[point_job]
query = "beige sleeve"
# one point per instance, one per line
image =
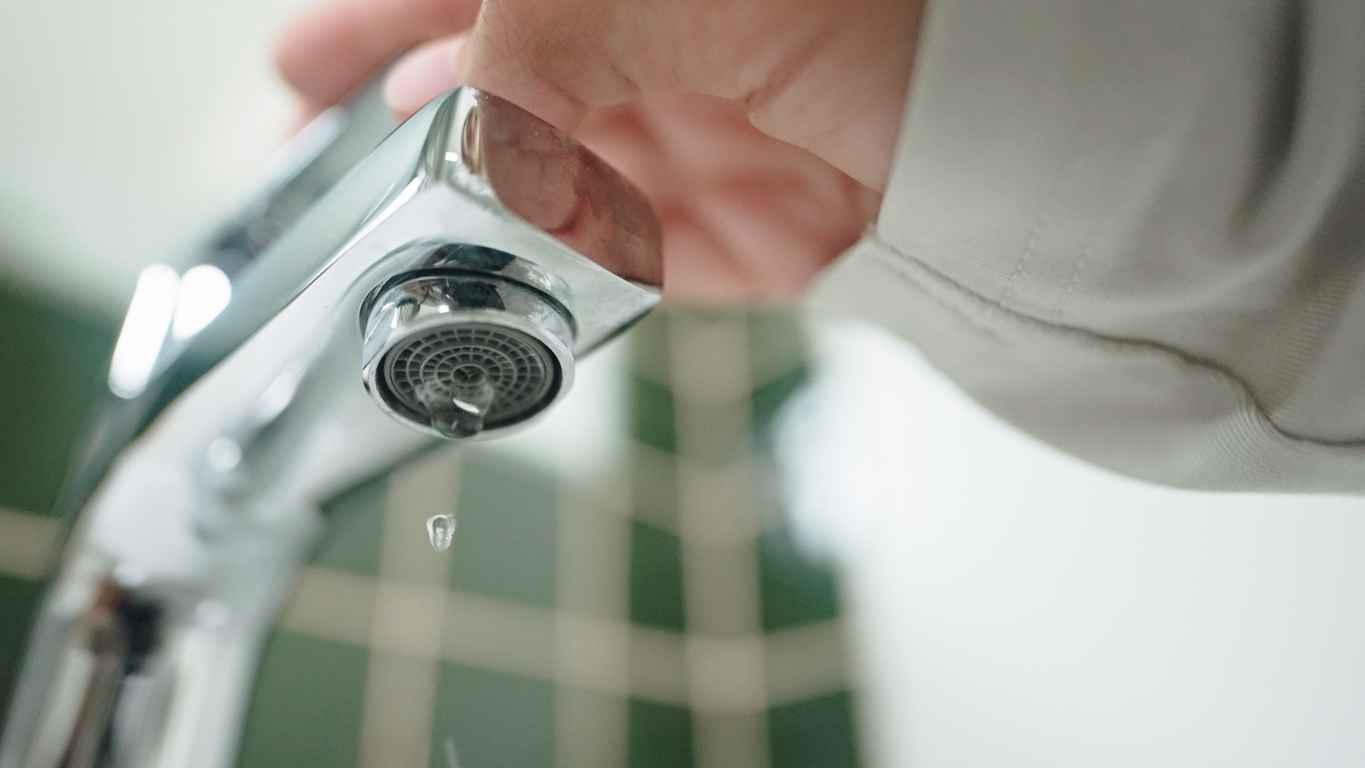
(1137, 231)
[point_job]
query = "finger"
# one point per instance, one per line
(827, 79)
(774, 232)
(559, 60)
(327, 52)
(697, 269)
(713, 141)
(622, 137)
(423, 74)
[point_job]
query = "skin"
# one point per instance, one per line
(761, 130)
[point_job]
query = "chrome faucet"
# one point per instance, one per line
(381, 294)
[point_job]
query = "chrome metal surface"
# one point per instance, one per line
(469, 347)
(464, 264)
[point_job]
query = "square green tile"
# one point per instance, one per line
(652, 414)
(658, 736)
(18, 602)
(795, 588)
(55, 363)
(493, 719)
(649, 348)
(357, 523)
(307, 706)
(656, 581)
(777, 343)
(813, 733)
(653, 487)
(507, 546)
(769, 399)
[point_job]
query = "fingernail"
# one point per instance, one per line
(423, 74)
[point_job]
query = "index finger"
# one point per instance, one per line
(330, 50)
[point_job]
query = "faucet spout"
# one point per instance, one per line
(429, 265)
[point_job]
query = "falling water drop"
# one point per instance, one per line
(441, 531)
(459, 406)
(452, 759)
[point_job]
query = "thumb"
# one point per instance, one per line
(828, 76)
(558, 60)
(546, 60)
(424, 73)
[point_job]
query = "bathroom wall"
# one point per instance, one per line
(1013, 606)
(649, 607)
(654, 612)
(127, 127)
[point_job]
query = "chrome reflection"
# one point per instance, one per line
(144, 331)
(205, 291)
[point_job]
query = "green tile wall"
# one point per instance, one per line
(658, 736)
(771, 396)
(53, 365)
(651, 414)
(656, 581)
(52, 369)
(508, 529)
(18, 600)
(306, 708)
(795, 589)
(494, 718)
(357, 517)
(813, 733)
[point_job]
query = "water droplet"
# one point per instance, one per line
(441, 531)
(458, 421)
(460, 413)
(452, 759)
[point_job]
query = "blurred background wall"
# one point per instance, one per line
(876, 573)
(127, 127)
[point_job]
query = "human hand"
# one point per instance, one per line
(761, 130)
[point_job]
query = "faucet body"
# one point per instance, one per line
(442, 287)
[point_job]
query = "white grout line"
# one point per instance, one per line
(807, 661)
(591, 729)
(725, 656)
(494, 634)
(659, 475)
(396, 726)
(709, 361)
(592, 588)
(593, 574)
(719, 505)
(731, 739)
(726, 675)
(27, 543)
(331, 604)
(592, 654)
(657, 665)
